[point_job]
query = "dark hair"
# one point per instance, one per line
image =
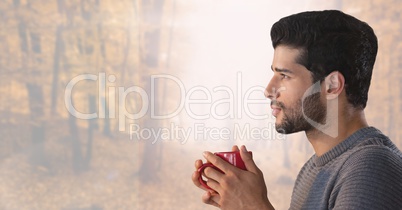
(332, 41)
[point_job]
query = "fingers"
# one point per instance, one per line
(211, 198)
(213, 175)
(218, 162)
(196, 175)
(248, 160)
(195, 178)
(198, 164)
(209, 172)
(235, 148)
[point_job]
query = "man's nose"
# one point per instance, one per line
(271, 91)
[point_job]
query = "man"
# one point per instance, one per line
(322, 66)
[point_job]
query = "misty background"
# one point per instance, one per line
(214, 54)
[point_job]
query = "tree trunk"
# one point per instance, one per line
(152, 155)
(36, 104)
(91, 127)
(77, 158)
(56, 65)
(151, 159)
(107, 131)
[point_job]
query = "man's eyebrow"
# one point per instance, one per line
(281, 70)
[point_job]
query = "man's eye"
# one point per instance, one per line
(284, 76)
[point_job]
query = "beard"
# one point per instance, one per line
(293, 118)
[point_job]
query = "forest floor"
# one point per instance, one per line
(112, 182)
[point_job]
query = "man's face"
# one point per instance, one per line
(289, 90)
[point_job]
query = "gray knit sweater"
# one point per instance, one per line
(363, 172)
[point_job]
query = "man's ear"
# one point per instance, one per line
(334, 84)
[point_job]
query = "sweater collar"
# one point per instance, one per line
(342, 147)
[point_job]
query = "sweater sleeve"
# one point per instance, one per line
(371, 178)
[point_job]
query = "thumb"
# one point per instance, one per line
(247, 158)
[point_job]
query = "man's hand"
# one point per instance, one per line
(236, 188)
(210, 196)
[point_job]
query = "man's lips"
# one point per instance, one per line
(275, 110)
(275, 106)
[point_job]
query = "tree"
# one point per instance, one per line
(30, 46)
(151, 14)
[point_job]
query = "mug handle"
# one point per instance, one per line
(201, 170)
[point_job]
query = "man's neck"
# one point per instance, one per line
(348, 123)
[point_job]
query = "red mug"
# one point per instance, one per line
(233, 158)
